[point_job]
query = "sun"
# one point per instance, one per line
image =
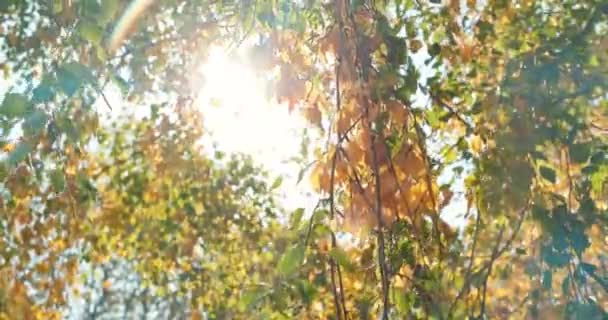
(241, 118)
(229, 82)
(238, 113)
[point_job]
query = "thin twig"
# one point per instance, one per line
(340, 282)
(487, 276)
(380, 234)
(467, 277)
(332, 267)
(429, 183)
(311, 224)
(103, 95)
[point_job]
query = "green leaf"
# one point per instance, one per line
(21, 151)
(8, 5)
(588, 268)
(295, 218)
(35, 122)
(579, 310)
(57, 180)
(555, 259)
(547, 279)
(580, 152)
(320, 215)
(276, 183)
(3, 171)
(342, 259)
(449, 154)
(401, 300)
(102, 55)
(598, 157)
(532, 268)
(44, 91)
(86, 188)
(251, 298)
(14, 105)
(300, 175)
(72, 76)
(432, 117)
(547, 173)
(79, 70)
(589, 170)
(579, 241)
(291, 260)
(121, 83)
(307, 291)
(321, 230)
(90, 32)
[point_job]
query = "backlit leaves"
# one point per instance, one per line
(20, 153)
(291, 260)
(14, 105)
(90, 32)
(72, 76)
(417, 107)
(57, 178)
(35, 122)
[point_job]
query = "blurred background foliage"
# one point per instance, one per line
(499, 106)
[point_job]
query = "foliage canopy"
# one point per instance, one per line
(420, 105)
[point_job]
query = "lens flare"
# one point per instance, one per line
(126, 23)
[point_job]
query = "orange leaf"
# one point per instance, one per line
(320, 177)
(313, 114)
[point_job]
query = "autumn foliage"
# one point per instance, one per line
(459, 160)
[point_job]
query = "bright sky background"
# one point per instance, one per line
(240, 118)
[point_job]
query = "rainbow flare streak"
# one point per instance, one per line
(126, 22)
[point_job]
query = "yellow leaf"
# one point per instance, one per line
(58, 245)
(8, 147)
(198, 208)
(70, 170)
(476, 144)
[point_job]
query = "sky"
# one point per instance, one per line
(240, 118)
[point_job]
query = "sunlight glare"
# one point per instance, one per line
(241, 118)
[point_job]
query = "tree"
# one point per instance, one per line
(421, 105)
(159, 210)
